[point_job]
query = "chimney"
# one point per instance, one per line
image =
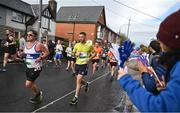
(53, 6)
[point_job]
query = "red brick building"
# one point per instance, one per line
(71, 21)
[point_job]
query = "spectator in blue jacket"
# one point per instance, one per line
(150, 81)
(168, 100)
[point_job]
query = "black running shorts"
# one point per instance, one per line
(81, 69)
(32, 74)
(95, 61)
(113, 64)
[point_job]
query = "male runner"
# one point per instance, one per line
(113, 64)
(33, 58)
(98, 51)
(82, 52)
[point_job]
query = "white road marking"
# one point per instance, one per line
(45, 106)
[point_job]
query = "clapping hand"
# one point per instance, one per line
(125, 51)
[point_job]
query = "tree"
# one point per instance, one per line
(123, 37)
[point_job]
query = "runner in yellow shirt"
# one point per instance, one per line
(82, 51)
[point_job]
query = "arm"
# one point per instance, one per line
(93, 53)
(12, 39)
(149, 83)
(44, 50)
(166, 100)
(75, 51)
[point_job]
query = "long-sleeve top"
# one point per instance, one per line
(167, 100)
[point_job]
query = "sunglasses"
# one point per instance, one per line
(30, 35)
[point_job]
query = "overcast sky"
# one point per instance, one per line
(142, 28)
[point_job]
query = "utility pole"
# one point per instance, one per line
(39, 20)
(73, 31)
(128, 28)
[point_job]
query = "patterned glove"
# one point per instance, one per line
(125, 51)
(144, 59)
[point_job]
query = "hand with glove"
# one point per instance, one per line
(125, 52)
(144, 59)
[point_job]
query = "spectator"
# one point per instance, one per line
(51, 48)
(168, 100)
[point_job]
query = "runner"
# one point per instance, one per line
(10, 49)
(98, 51)
(45, 43)
(33, 55)
(58, 55)
(113, 64)
(104, 55)
(82, 52)
(70, 58)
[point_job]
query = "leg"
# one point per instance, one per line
(78, 84)
(6, 55)
(31, 85)
(94, 68)
(73, 66)
(55, 60)
(69, 63)
(112, 70)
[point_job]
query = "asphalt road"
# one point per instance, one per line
(58, 86)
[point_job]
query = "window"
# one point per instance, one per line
(18, 17)
(45, 23)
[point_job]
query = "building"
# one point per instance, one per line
(71, 21)
(22, 16)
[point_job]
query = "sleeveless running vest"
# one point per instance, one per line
(31, 56)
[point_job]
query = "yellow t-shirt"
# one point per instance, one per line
(84, 50)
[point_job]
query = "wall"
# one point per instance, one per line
(2, 15)
(13, 24)
(65, 30)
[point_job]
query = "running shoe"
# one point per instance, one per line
(112, 78)
(86, 87)
(37, 98)
(3, 70)
(74, 101)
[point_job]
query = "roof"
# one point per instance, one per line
(79, 14)
(36, 8)
(18, 5)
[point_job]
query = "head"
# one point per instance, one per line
(59, 42)
(169, 32)
(154, 47)
(82, 37)
(97, 44)
(9, 32)
(22, 36)
(31, 35)
(44, 41)
(144, 49)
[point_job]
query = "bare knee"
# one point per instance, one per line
(29, 84)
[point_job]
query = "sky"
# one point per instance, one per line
(142, 28)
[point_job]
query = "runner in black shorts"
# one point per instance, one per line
(82, 51)
(113, 64)
(33, 58)
(104, 56)
(98, 53)
(70, 58)
(9, 48)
